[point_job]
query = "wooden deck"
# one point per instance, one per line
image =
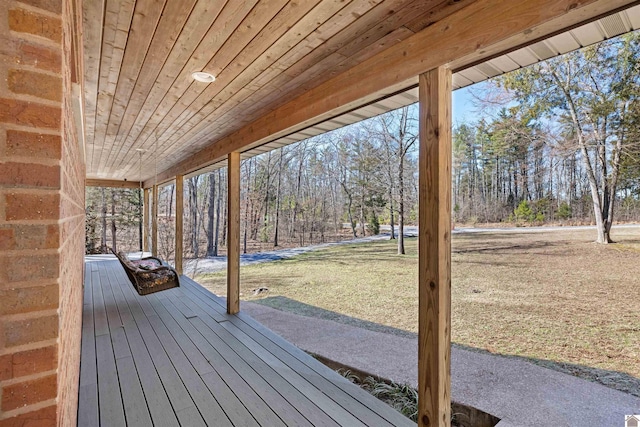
(175, 358)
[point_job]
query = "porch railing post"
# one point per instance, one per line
(145, 221)
(179, 221)
(154, 222)
(434, 249)
(233, 234)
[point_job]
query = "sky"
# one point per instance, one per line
(463, 109)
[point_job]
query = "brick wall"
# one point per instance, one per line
(72, 216)
(41, 216)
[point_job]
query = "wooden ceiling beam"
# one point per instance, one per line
(111, 183)
(480, 30)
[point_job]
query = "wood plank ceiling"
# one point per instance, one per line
(139, 93)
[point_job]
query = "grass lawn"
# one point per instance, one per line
(553, 297)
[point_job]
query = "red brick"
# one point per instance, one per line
(36, 145)
(29, 175)
(24, 206)
(25, 331)
(53, 237)
(37, 84)
(35, 361)
(38, 56)
(24, 21)
(45, 417)
(24, 237)
(23, 300)
(54, 6)
(29, 114)
(7, 239)
(28, 362)
(29, 268)
(6, 367)
(29, 392)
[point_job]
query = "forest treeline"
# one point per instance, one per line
(558, 142)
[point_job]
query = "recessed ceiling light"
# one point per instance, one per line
(203, 77)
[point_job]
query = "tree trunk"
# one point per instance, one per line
(391, 219)
(298, 185)
(170, 207)
(277, 224)
(193, 202)
(113, 221)
(218, 202)
(401, 250)
(363, 219)
(211, 214)
(246, 209)
(223, 240)
(103, 211)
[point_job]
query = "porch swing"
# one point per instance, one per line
(148, 274)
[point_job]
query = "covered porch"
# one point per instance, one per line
(103, 93)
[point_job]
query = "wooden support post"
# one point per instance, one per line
(154, 222)
(434, 250)
(179, 221)
(233, 233)
(145, 221)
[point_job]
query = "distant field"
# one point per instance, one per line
(554, 297)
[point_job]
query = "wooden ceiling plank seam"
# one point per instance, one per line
(123, 33)
(403, 14)
(92, 47)
(144, 24)
(179, 81)
(297, 86)
(247, 30)
(435, 14)
(292, 37)
(344, 14)
(379, 16)
(396, 36)
(190, 36)
(173, 17)
(242, 85)
(105, 96)
(110, 22)
(302, 45)
(111, 75)
(188, 90)
(309, 76)
(485, 26)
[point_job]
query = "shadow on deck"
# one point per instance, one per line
(176, 358)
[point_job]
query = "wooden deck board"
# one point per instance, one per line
(177, 358)
(156, 398)
(88, 395)
(359, 401)
(135, 407)
(225, 371)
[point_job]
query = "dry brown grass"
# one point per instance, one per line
(555, 297)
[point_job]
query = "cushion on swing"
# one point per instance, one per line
(147, 264)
